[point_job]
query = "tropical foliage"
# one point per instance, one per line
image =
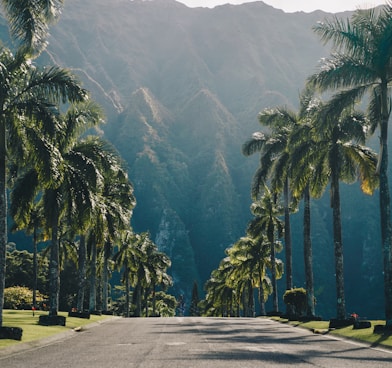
(68, 186)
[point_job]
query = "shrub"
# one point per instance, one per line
(20, 297)
(297, 299)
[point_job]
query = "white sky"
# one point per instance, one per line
(331, 6)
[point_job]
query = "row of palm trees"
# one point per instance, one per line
(324, 143)
(66, 183)
(230, 289)
(144, 268)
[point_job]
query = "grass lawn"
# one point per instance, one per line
(33, 331)
(365, 335)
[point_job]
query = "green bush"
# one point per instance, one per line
(20, 297)
(297, 299)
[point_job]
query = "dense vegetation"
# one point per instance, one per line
(190, 180)
(68, 186)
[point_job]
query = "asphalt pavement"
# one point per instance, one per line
(194, 342)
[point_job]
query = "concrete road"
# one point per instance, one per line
(187, 342)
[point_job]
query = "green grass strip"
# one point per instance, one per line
(364, 335)
(33, 331)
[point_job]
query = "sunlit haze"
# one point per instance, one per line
(331, 6)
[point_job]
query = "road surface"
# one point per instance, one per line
(187, 342)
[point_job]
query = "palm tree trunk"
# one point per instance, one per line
(82, 258)
(288, 243)
(3, 216)
(287, 237)
(308, 256)
(154, 301)
(127, 287)
(99, 293)
(138, 299)
(261, 292)
(251, 300)
(338, 246)
(105, 276)
(93, 275)
(146, 292)
(54, 269)
(35, 267)
(261, 300)
(273, 275)
(385, 205)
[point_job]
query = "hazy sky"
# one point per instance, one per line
(332, 6)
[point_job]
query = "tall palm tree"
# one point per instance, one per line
(336, 152)
(26, 95)
(275, 165)
(158, 263)
(72, 194)
(117, 203)
(361, 65)
(301, 143)
(267, 221)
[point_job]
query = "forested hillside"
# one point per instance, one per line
(182, 88)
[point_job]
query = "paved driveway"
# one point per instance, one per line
(187, 342)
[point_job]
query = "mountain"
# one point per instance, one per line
(182, 88)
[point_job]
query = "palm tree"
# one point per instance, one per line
(335, 150)
(31, 93)
(158, 263)
(251, 258)
(72, 194)
(29, 21)
(124, 260)
(360, 65)
(301, 143)
(28, 216)
(116, 204)
(27, 94)
(267, 222)
(220, 297)
(275, 164)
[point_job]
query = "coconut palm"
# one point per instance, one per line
(359, 66)
(267, 221)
